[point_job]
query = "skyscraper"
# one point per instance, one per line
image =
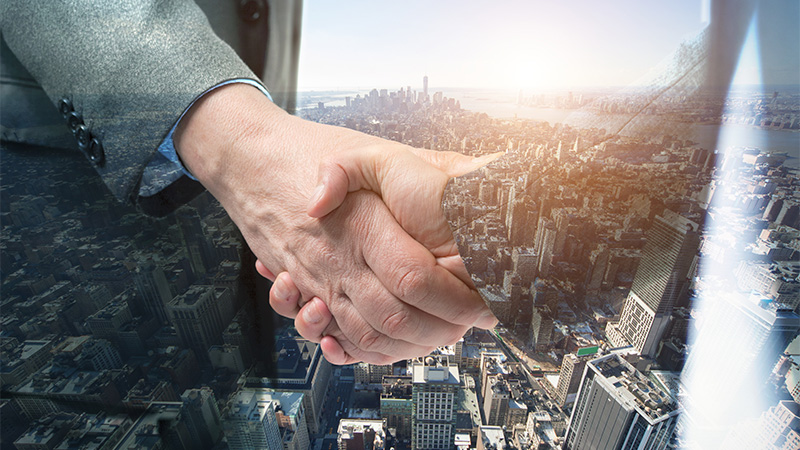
(153, 288)
(195, 241)
(618, 407)
(495, 402)
(732, 354)
(569, 377)
(524, 259)
(396, 405)
(546, 238)
(425, 86)
(780, 426)
(599, 263)
(434, 390)
(196, 317)
(250, 422)
(201, 413)
(541, 327)
(672, 244)
(300, 368)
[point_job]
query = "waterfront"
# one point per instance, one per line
(501, 104)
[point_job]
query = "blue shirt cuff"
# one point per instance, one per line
(166, 167)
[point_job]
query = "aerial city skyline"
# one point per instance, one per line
(639, 242)
(601, 254)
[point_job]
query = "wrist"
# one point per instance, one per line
(220, 124)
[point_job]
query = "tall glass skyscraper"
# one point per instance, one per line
(671, 247)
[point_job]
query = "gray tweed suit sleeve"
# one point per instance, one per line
(129, 68)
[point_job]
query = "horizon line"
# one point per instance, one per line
(531, 89)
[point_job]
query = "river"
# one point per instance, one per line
(500, 104)
(706, 135)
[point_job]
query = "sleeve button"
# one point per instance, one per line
(83, 135)
(74, 120)
(65, 106)
(251, 10)
(96, 153)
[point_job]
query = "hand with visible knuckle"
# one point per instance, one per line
(389, 234)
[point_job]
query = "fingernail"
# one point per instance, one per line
(281, 293)
(311, 313)
(487, 321)
(317, 194)
(485, 159)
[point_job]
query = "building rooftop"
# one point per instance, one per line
(94, 432)
(290, 402)
(57, 380)
(146, 432)
(468, 401)
(471, 351)
(349, 427)
(249, 405)
(43, 434)
(73, 344)
(296, 359)
(194, 294)
(493, 294)
(493, 437)
(495, 363)
(396, 387)
(547, 434)
(423, 373)
(109, 311)
(15, 354)
(769, 313)
(632, 388)
(513, 404)
(252, 404)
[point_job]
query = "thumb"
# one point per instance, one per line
(339, 175)
(455, 164)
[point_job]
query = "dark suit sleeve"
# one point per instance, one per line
(121, 72)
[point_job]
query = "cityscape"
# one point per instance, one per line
(647, 286)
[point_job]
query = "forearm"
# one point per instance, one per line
(129, 69)
(236, 126)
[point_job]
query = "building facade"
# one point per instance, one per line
(617, 407)
(250, 422)
(434, 392)
(661, 278)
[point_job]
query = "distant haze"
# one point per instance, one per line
(505, 45)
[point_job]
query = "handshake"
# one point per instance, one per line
(351, 224)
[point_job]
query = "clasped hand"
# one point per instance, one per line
(380, 294)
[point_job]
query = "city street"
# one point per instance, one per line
(337, 402)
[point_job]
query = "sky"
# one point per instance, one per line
(507, 45)
(515, 44)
